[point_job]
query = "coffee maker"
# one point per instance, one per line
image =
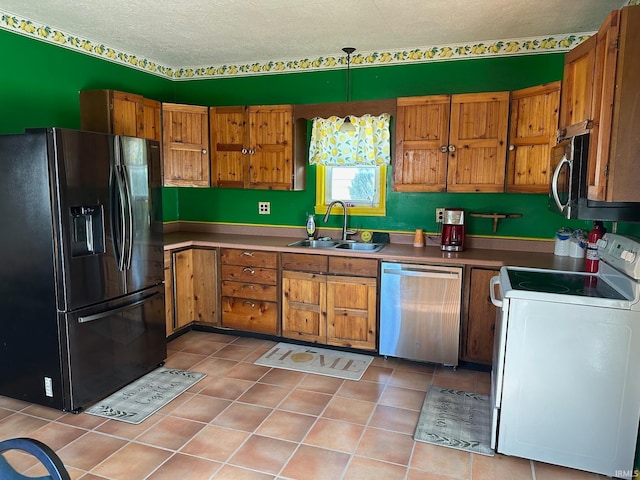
(452, 238)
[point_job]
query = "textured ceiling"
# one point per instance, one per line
(215, 32)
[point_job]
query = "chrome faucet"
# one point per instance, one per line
(344, 208)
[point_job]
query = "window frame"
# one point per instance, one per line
(361, 210)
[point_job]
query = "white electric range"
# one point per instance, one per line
(566, 362)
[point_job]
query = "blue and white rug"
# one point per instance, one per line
(139, 400)
(456, 419)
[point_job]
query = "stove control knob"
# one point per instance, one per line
(628, 256)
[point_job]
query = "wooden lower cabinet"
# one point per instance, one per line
(190, 283)
(351, 312)
(250, 290)
(304, 306)
(479, 317)
(327, 302)
(168, 291)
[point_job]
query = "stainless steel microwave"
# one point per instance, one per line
(568, 188)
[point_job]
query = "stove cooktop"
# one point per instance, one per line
(563, 283)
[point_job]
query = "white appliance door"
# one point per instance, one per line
(497, 368)
(570, 393)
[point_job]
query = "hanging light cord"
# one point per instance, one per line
(348, 51)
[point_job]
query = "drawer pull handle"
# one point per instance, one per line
(248, 254)
(249, 269)
(249, 302)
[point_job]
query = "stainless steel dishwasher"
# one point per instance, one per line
(420, 312)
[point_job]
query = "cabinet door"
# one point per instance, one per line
(577, 84)
(478, 142)
(304, 314)
(532, 133)
(351, 312)
(229, 133)
(480, 319)
(185, 144)
(150, 120)
(195, 283)
(271, 147)
(125, 113)
(168, 291)
(422, 138)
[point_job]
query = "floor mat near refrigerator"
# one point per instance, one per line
(142, 398)
(455, 419)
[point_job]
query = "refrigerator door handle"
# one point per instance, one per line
(128, 220)
(108, 313)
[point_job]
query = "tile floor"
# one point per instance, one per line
(250, 422)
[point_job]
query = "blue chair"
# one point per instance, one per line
(47, 457)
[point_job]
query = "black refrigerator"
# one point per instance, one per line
(81, 265)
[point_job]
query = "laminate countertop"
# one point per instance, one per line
(393, 252)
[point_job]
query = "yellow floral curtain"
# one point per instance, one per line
(367, 144)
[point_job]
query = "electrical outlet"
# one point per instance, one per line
(439, 215)
(264, 208)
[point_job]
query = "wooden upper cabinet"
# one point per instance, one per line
(532, 133)
(253, 147)
(478, 142)
(186, 145)
(120, 113)
(422, 139)
(577, 84)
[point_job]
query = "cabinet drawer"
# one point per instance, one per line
(302, 262)
(261, 317)
(362, 267)
(233, 256)
(248, 274)
(253, 291)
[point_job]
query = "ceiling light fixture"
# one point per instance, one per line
(347, 126)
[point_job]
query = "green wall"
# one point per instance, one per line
(40, 82)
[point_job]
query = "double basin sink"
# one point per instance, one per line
(339, 245)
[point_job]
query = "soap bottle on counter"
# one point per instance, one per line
(311, 227)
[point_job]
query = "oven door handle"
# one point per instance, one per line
(495, 281)
(554, 182)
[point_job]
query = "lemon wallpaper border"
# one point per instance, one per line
(493, 48)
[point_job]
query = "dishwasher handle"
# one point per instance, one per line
(415, 272)
(492, 286)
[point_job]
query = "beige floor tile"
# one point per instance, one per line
(403, 397)
(133, 462)
(369, 469)
(215, 443)
(500, 467)
(185, 467)
(229, 472)
(367, 391)
(242, 417)
(378, 374)
(441, 460)
(19, 425)
(247, 371)
(282, 378)
(334, 435)
(414, 474)
(56, 435)
(286, 425)
(386, 446)
(89, 450)
(171, 433)
(202, 408)
(302, 401)
(183, 361)
(349, 410)
(214, 366)
(265, 395)
(313, 463)
(264, 454)
(128, 430)
(233, 352)
(396, 419)
(411, 379)
(42, 412)
(201, 346)
(226, 388)
(320, 384)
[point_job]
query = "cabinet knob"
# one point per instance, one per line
(512, 148)
(244, 151)
(249, 269)
(444, 149)
(248, 254)
(452, 148)
(252, 151)
(204, 151)
(249, 302)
